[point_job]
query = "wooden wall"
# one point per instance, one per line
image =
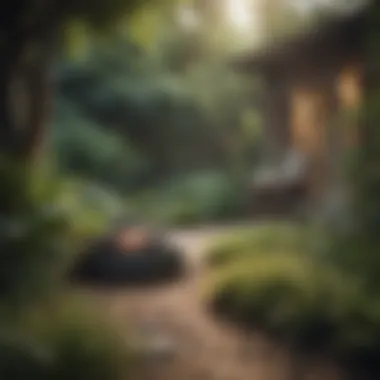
(276, 117)
(350, 95)
(317, 130)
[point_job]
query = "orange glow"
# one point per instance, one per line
(349, 87)
(132, 239)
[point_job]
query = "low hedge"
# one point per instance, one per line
(258, 240)
(302, 303)
(202, 197)
(63, 343)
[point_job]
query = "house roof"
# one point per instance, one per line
(344, 32)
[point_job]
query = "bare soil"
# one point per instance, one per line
(199, 347)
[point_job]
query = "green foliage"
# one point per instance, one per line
(136, 123)
(66, 340)
(41, 229)
(151, 21)
(202, 197)
(157, 124)
(23, 358)
(270, 279)
(89, 209)
(33, 235)
(45, 222)
(357, 254)
(229, 107)
(170, 114)
(98, 13)
(259, 241)
(85, 149)
(306, 304)
(357, 250)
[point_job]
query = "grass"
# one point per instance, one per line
(267, 279)
(64, 341)
(261, 240)
(300, 301)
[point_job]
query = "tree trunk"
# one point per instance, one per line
(25, 89)
(9, 62)
(39, 93)
(367, 174)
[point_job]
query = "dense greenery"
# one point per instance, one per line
(128, 121)
(125, 120)
(295, 296)
(193, 198)
(135, 125)
(264, 240)
(66, 339)
(33, 235)
(357, 249)
(43, 335)
(332, 291)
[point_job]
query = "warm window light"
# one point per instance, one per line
(349, 86)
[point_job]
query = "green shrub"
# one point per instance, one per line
(63, 342)
(33, 235)
(85, 149)
(176, 212)
(89, 209)
(212, 195)
(195, 198)
(23, 358)
(40, 233)
(357, 254)
(304, 303)
(270, 238)
(36, 244)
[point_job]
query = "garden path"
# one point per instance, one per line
(184, 342)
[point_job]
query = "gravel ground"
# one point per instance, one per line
(183, 342)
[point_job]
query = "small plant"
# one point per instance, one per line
(303, 303)
(194, 198)
(261, 240)
(39, 233)
(34, 231)
(62, 341)
(43, 337)
(23, 358)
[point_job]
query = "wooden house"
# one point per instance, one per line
(310, 81)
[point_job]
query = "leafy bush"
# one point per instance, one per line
(90, 208)
(259, 240)
(307, 305)
(43, 224)
(202, 197)
(86, 149)
(22, 358)
(36, 245)
(34, 231)
(62, 342)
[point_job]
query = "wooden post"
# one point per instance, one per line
(276, 116)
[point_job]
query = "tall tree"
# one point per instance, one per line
(30, 36)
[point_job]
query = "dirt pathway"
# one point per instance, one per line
(189, 343)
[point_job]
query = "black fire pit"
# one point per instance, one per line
(132, 255)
